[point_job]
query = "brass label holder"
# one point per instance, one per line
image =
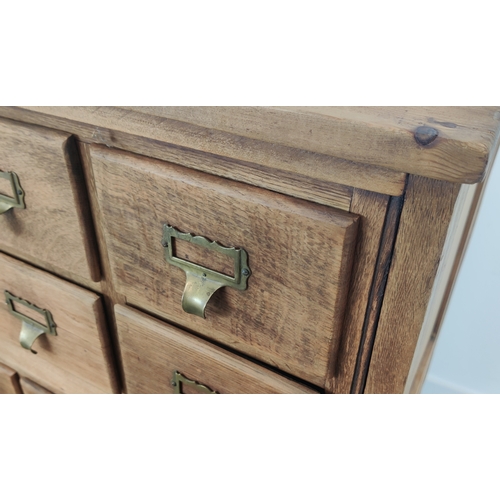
(180, 379)
(30, 329)
(202, 282)
(17, 201)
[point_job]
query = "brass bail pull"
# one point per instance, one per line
(30, 329)
(17, 201)
(202, 282)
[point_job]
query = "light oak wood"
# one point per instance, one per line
(53, 230)
(9, 381)
(425, 218)
(381, 136)
(300, 255)
(286, 161)
(153, 350)
(30, 387)
(77, 360)
(372, 208)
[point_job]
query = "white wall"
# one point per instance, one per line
(467, 354)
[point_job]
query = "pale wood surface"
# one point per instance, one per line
(53, 228)
(9, 381)
(258, 162)
(422, 231)
(30, 387)
(77, 360)
(372, 208)
(382, 136)
(153, 350)
(300, 254)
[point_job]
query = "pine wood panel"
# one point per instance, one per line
(422, 231)
(153, 350)
(77, 360)
(300, 255)
(30, 387)
(54, 228)
(9, 381)
(370, 135)
(372, 208)
(280, 159)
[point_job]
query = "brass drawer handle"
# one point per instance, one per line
(201, 282)
(30, 329)
(6, 202)
(181, 379)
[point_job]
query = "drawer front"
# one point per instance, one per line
(299, 258)
(156, 356)
(75, 360)
(9, 381)
(52, 230)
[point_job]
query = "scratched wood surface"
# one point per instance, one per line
(423, 226)
(300, 255)
(252, 160)
(54, 229)
(153, 350)
(77, 360)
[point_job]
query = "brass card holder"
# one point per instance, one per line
(17, 201)
(180, 379)
(30, 329)
(201, 282)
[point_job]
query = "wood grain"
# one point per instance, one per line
(372, 208)
(300, 255)
(376, 295)
(276, 160)
(422, 231)
(52, 229)
(9, 381)
(30, 387)
(77, 360)
(381, 136)
(153, 350)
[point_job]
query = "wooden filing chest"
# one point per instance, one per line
(232, 250)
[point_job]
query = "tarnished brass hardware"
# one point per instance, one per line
(30, 329)
(17, 201)
(201, 282)
(181, 379)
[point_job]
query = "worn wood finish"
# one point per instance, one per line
(77, 360)
(153, 350)
(30, 387)
(461, 224)
(381, 136)
(255, 159)
(300, 255)
(372, 208)
(376, 295)
(53, 229)
(425, 218)
(9, 381)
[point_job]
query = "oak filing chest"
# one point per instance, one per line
(232, 250)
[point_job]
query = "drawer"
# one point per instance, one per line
(299, 257)
(77, 359)
(156, 356)
(30, 387)
(9, 381)
(40, 169)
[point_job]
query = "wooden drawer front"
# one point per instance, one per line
(9, 381)
(52, 230)
(77, 359)
(290, 316)
(152, 351)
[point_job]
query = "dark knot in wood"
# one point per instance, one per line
(425, 135)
